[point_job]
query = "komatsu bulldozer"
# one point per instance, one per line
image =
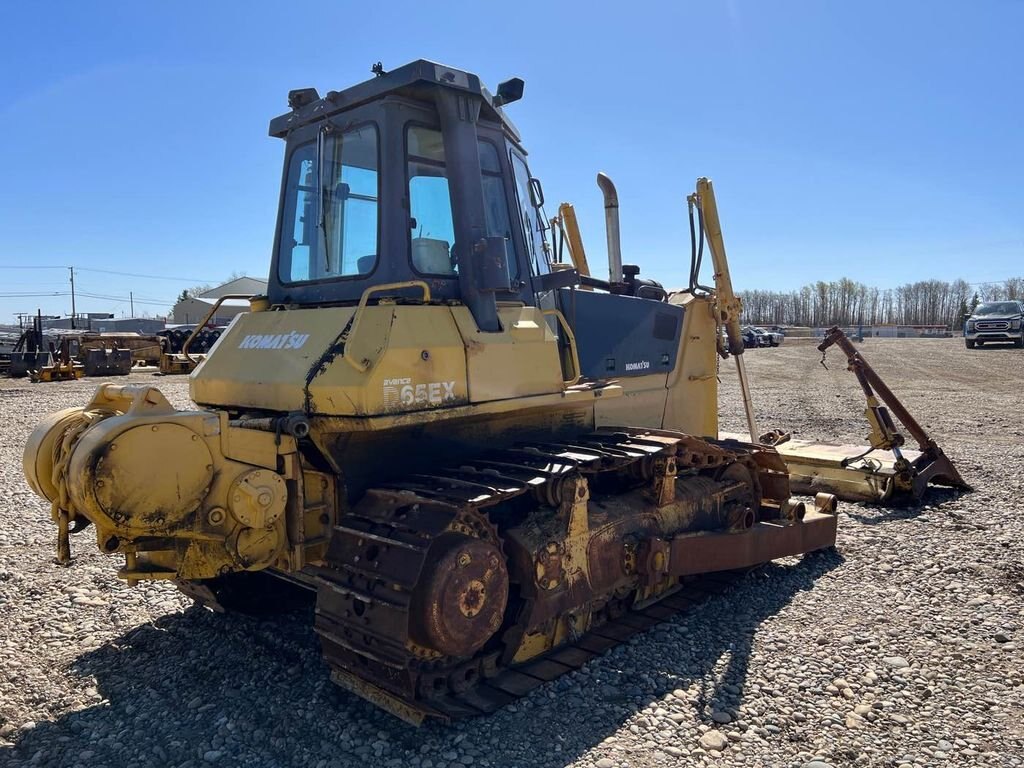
(487, 463)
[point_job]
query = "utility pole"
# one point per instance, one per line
(131, 302)
(72, 269)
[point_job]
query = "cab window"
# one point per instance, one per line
(495, 203)
(330, 225)
(432, 231)
(532, 218)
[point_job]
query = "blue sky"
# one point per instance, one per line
(878, 140)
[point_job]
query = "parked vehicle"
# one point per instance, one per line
(774, 337)
(995, 321)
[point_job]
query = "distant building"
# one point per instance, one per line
(144, 325)
(249, 286)
(195, 308)
(104, 322)
(893, 331)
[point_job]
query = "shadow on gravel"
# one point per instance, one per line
(870, 515)
(197, 687)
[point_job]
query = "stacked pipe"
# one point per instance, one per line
(176, 338)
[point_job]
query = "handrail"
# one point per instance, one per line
(198, 328)
(363, 365)
(571, 339)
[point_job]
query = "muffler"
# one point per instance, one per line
(611, 223)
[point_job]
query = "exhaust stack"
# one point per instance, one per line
(611, 222)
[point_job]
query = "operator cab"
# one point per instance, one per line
(418, 175)
(413, 175)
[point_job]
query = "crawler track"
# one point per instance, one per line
(491, 693)
(367, 593)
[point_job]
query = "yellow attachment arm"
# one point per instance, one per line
(571, 228)
(729, 305)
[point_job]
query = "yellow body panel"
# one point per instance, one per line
(642, 403)
(692, 404)
(264, 358)
(411, 359)
(417, 363)
(685, 399)
(519, 361)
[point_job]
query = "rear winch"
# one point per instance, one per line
(181, 493)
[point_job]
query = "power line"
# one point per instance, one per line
(125, 299)
(111, 272)
(148, 277)
(29, 294)
(100, 291)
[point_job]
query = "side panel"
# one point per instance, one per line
(518, 361)
(409, 359)
(685, 399)
(692, 404)
(642, 403)
(416, 363)
(620, 336)
(263, 359)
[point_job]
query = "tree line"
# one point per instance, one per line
(848, 302)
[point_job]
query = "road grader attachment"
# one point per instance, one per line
(885, 471)
(486, 463)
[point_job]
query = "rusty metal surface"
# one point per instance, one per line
(710, 552)
(460, 602)
(411, 607)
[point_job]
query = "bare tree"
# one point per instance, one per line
(847, 302)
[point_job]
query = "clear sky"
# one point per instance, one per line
(883, 141)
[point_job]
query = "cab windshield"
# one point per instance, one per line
(330, 214)
(998, 308)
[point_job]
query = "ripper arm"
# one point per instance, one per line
(932, 464)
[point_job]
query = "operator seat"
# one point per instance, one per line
(431, 257)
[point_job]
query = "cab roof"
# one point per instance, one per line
(415, 80)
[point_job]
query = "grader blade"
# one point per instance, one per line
(842, 470)
(825, 467)
(104, 361)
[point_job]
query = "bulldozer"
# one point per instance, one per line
(486, 463)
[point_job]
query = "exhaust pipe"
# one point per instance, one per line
(611, 222)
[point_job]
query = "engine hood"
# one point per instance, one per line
(987, 318)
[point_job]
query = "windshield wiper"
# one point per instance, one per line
(324, 192)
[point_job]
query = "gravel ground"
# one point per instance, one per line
(904, 647)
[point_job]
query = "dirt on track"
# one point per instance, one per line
(904, 647)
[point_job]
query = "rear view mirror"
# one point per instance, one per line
(509, 91)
